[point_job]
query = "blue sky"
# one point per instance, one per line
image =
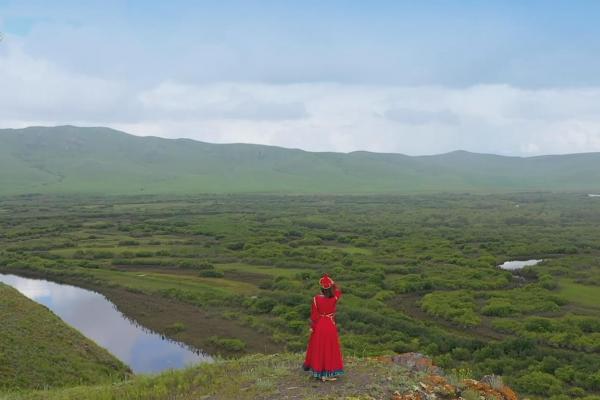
(418, 77)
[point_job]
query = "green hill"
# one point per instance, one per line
(38, 350)
(278, 376)
(69, 159)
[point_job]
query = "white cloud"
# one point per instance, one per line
(421, 117)
(219, 101)
(314, 116)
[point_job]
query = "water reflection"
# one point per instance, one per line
(98, 319)
(513, 265)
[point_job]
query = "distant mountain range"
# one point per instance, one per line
(68, 159)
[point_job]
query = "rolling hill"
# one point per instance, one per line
(68, 159)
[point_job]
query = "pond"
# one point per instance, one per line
(514, 265)
(97, 318)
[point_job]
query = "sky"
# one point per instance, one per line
(414, 77)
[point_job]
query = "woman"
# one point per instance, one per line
(323, 356)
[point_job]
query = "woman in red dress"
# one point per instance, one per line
(324, 356)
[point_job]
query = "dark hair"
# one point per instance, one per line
(328, 292)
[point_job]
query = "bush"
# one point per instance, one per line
(457, 306)
(540, 383)
(227, 344)
(211, 274)
(263, 305)
(197, 265)
(498, 308)
(237, 246)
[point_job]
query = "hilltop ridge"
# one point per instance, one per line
(69, 159)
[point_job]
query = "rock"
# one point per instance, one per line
(503, 392)
(494, 381)
(416, 362)
(435, 386)
(441, 387)
(508, 393)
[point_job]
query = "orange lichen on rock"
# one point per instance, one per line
(383, 359)
(508, 393)
(504, 392)
(416, 362)
(436, 386)
(411, 396)
(441, 386)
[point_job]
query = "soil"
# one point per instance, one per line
(159, 313)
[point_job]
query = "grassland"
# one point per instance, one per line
(419, 273)
(585, 295)
(38, 350)
(252, 377)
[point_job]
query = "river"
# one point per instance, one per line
(97, 318)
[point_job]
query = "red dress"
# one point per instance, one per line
(324, 356)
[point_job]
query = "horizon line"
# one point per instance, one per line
(295, 148)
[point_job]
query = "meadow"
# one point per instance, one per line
(234, 274)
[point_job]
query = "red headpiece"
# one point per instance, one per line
(326, 282)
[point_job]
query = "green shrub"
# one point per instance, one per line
(227, 344)
(456, 306)
(211, 274)
(498, 308)
(540, 383)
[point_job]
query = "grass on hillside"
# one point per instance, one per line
(68, 159)
(253, 377)
(38, 350)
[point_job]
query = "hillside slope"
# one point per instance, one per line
(278, 376)
(69, 159)
(39, 350)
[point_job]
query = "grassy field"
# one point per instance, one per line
(419, 273)
(153, 281)
(38, 350)
(586, 295)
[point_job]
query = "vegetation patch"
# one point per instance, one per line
(586, 295)
(457, 306)
(253, 377)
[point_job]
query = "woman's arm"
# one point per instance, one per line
(337, 291)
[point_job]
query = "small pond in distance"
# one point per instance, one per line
(97, 318)
(514, 265)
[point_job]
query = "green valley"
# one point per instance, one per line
(234, 274)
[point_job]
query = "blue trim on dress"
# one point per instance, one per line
(323, 374)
